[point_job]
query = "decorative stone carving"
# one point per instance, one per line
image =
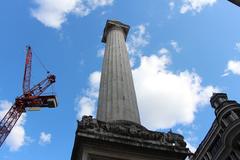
(130, 129)
(175, 139)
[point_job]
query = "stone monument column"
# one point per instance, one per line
(117, 98)
(116, 133)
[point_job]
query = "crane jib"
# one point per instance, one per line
(27, 71)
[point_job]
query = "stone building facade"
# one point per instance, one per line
(222, 141)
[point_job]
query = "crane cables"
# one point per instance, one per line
(45, 68)
(41, 63)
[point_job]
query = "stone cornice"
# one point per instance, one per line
(126, 132)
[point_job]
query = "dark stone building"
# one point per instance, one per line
(222, 141)
(237, 2)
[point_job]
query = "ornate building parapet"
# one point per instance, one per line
(222, 141)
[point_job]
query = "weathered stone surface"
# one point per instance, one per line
(128, 130)
(117, 98)
(126, 134)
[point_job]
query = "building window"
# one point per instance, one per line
(234, 115)
(228, 118)
(215, 147)
(209, 155)
(233, 156)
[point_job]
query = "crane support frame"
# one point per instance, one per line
(30, 99)
(9, 120)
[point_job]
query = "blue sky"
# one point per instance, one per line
(180, 50)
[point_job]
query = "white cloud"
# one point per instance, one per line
(171, 5)
(94, 79)
(195, 5)
(53, 13)
(86, 104)
(233, 67)
(190, 137)
(16, 139)
(226, 73)
(191, 147)
(96, 3)
(100, 52)
(180, 131)
(163, 51)
(138, 39)
(45, 138)
(166, 98)
(175, 46)
(238, 46)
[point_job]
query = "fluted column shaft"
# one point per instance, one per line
(117, 98)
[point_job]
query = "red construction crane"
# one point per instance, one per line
(31, 98)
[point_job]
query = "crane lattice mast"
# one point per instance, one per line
(31, 99)
(27, 71)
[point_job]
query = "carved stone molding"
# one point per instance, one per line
(130, 129)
